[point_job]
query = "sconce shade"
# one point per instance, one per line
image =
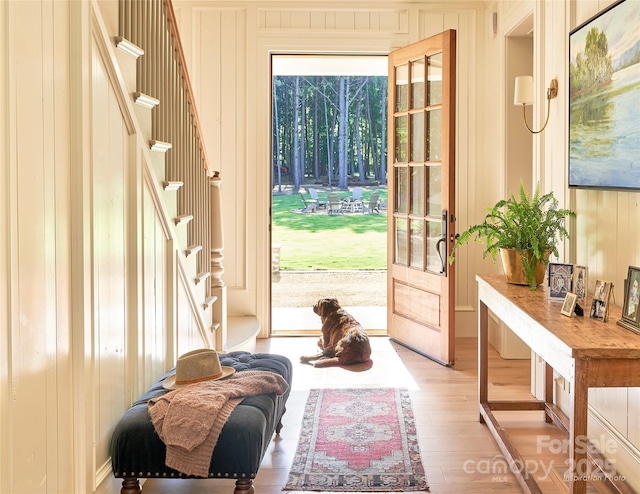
(523, 93)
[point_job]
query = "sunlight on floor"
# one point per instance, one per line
(303, 318)
(388, 370)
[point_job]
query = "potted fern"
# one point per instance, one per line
(525, 232)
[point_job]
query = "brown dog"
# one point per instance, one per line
(343, 340)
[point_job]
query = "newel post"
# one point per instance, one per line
(218, 288)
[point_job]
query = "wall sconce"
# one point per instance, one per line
(523, 95)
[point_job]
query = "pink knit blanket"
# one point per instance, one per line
(189, 420)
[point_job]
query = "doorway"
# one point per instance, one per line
(329, 195)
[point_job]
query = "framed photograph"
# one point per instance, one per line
(560, 276)
(580, 283)
(569, 304)
(600, 304)
(604, 83)
(630, 313)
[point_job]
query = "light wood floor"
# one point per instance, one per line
(458, 453)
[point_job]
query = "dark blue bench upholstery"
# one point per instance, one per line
(137, 451)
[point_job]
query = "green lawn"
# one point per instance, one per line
(329, 242)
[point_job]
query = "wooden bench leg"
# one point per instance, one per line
(279, 426)
(244, 486)
(131, 485)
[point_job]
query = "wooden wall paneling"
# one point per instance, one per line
(613, 404)
(633, 418)
(619, 452)
(466, 155)
(189, 336)
(239, 81)
(28, 345)
(222, 85)
(56, 160)
(110, 155)
(7, 248)
(155, 329)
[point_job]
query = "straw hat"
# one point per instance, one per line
(197, 366)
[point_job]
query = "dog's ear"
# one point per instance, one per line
(329, 306)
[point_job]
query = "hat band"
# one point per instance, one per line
(199, 379)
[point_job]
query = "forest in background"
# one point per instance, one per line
(329, 130)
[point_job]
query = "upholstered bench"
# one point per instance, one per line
(137, 451)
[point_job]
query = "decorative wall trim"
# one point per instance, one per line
(329, 21)
(99, 34)
(617, 449)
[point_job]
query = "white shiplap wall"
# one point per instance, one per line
(602, 236)
(607, 241)
(92, 310)
(228, 47)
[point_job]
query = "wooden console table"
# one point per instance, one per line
(585, 351)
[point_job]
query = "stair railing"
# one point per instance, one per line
(162, 74)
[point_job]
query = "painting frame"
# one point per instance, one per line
(601, 302)
(559, 277)
(569, 304)
(580, 282)
(602, 152)
(630, 318)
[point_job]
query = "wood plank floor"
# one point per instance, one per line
(458, 452)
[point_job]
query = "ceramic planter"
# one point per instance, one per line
(514, 270)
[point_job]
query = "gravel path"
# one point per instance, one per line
(351, 288)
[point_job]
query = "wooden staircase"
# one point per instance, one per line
(187, 191)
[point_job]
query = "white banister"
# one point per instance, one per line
(217, 236)
(218, 287)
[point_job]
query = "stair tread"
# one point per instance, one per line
(241, 330)
(192, 249)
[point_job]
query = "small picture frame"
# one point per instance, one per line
(580, 283)
(630, 312)
(569, 304)
(560, 275)
(600, 304)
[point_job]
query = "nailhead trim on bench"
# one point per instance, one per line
(158, 474)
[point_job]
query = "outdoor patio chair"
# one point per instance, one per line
(356, 194)
(355, 206)
(334, 205)
(373, 204)
(314, 195)
(310, 206)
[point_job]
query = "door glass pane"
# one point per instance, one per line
(434, 135)
(402, 189)
(417, 190)
(434, 232)
(401, 139)
(417, 137)
(434, 82)
(401, 241)
(417, 84)
(434, 187)
(402, 86)
(417, 244)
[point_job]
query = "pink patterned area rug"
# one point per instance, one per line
(358, 440)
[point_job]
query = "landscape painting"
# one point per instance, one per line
(604, 98)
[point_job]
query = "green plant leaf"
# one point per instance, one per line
(532, 225)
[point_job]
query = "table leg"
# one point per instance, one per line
(548, 389)
(578, 461)
(483, 355)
